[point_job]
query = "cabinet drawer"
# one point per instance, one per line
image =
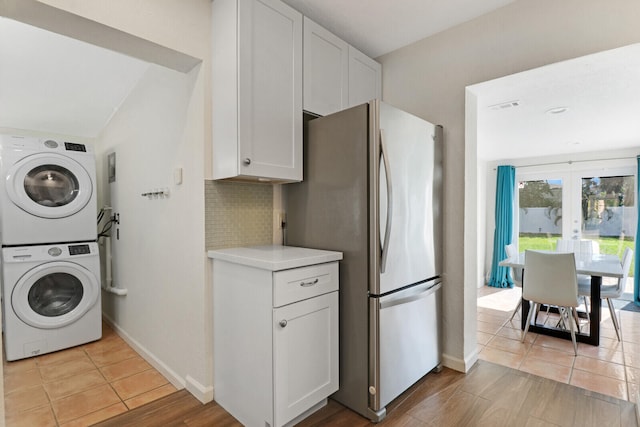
(301, 283)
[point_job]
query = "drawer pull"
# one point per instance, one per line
(283, 323)
(310, 283)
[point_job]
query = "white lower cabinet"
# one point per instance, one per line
(305, 363)
(275, 334)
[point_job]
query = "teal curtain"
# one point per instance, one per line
(505, 187)
(636, 276)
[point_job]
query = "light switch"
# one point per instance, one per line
(177, 176)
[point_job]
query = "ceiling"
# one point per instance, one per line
(376, 27)
(600, 96)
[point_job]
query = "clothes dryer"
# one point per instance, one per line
(51, 298)
(49, 192)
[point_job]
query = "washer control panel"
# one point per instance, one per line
(71, 146)
(79, 249)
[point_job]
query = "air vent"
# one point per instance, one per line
(504, 105)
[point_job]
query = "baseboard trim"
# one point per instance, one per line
(202, 393)
(458, 364)
(167, 372)
(637, 396)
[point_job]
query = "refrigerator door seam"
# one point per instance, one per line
(373, 148)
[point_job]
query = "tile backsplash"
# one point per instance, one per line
(238, 214)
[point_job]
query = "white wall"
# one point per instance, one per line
(159, 255)
(165, 123)
(523, 35)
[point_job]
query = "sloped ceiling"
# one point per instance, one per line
(53, 83)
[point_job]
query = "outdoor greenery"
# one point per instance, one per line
(608, 245)
(541, 194)
(601, 196)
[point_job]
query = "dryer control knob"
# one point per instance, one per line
(50, 143)
(55, 251)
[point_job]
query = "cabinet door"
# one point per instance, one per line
(365, 78)
(305, 355)
(326, 70)
(270, 90)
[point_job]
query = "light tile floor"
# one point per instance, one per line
(80, 386)
(613, 368)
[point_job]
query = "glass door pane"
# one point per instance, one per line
(539, 213)
(608, 214)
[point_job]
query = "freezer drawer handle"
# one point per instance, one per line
(283, 323)
(309, 283)
(387, 231)
(427, 292)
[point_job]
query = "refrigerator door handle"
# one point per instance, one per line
(387, 231)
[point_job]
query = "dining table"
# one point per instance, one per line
(595, 265)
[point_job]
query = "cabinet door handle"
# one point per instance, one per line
(246, 161)
(283, 323)
(309, 283)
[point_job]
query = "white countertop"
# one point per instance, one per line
(275, 257)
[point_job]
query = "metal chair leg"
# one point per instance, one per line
(576, 318)
(516, 310)
(532, 308)
(573, 333)
(616, 325)
(587, 305)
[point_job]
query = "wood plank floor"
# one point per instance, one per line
(489, 395)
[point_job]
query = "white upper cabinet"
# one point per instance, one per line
(257, 90)
(326, 70)
(365, 78)
(336, 75)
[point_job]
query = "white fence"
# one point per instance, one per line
(613, 222)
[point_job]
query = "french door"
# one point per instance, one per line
(596, 203)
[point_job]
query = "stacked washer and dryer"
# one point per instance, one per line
(50, 261)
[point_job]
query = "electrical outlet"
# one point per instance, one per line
(282, 219)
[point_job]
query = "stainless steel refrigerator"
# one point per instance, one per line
(372, 189)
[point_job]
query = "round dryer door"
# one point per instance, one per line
(54, 294)
(49, 185)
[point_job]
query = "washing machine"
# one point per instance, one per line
(49, 192)
(50, 298)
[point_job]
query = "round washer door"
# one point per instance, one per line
(54, 294)
(49, 185)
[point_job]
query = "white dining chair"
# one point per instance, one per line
(551, 279)
(580, 248)
(610, 292)
(564, 245)
(516, 274)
